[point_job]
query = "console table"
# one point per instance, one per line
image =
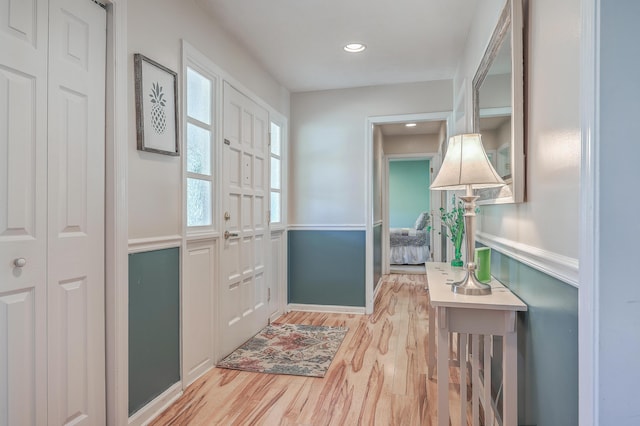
(474, 317)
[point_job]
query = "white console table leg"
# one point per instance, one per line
(488, 405)
(462, 356)
(431, 361)
(443, 368)
(475, 389)
(510, 373)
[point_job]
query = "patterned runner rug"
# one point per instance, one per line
(299, 350)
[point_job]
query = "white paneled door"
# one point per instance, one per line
(75, 278)
(23, 212)
(245, 156)
(52, 75)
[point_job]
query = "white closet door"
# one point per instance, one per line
(76, 382)
(51, 212)
(23, 211)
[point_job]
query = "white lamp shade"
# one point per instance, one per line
(466, 163)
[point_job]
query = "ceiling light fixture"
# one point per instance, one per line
(411, 125)
(354, 47)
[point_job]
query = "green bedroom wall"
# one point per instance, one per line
(408, 191)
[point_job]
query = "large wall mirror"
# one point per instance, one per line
(498, 105)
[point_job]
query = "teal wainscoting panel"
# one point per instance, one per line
(377, 254)
(154, 324)
(547, 344)
(327, 267)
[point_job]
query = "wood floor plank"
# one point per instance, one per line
(378, 377)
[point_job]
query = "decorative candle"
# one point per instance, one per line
(483, 262)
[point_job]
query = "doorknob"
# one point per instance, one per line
(20, 262)
(228, 234)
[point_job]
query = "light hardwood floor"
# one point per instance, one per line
(378, 377)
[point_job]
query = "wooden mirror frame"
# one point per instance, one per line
(510, 24)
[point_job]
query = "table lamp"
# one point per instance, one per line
(466, 166)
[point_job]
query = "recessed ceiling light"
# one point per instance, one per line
(411, 124)
(354, 47)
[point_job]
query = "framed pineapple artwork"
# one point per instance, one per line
(156, 111)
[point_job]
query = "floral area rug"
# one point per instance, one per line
(299, 350)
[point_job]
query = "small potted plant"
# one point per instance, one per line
(454, 222)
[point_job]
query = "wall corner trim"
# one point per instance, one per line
(561, 267)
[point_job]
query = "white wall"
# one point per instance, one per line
(617, 296)
(155, 29)
(548, 220)
(411, 144)
(495, 138)
(496, 91)
(487, 13)
(327, 155)
(378, 172)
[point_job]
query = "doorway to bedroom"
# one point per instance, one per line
(410, 216)
(410, 161)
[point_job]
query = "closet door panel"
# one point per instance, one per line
(77, 35)
(23, 212)
(20, 19)
(17, 359)
(18, 147)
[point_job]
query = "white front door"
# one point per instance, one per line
(245, 156)
(52, 62)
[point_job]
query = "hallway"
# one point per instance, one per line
(379, 375)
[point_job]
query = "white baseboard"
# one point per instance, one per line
(332, 309)
(561, 267)
(153, 409)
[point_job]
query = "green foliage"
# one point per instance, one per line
(454, 222)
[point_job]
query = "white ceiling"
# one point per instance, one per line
(300, 41)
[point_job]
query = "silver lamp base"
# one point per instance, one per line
(470, 285)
